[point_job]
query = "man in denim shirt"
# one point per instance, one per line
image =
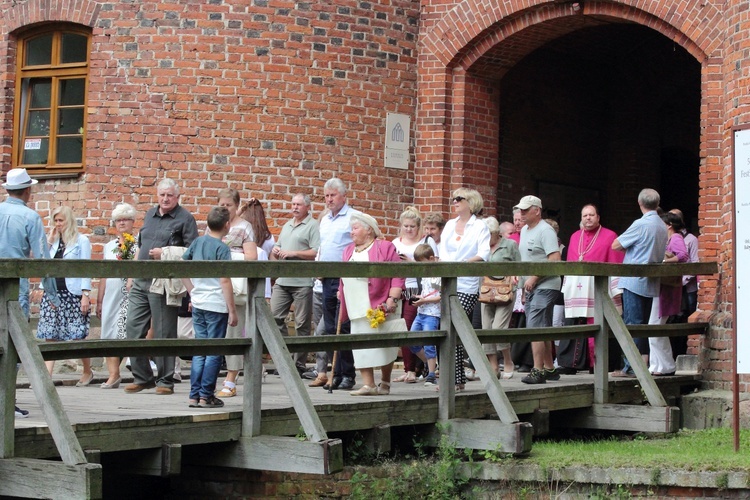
(22, 234)
(167, 224)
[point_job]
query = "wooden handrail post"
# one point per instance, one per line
(8, 361)
(447, 385)
(601, 347)
(52, 408)
(251, 402)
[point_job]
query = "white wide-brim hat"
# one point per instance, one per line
(18, 178)
(368, 221)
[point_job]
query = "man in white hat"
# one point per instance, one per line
(539, 244)
(22, 234)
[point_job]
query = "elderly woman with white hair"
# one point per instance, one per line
(497, 316)
(361, 297)
(112, 299)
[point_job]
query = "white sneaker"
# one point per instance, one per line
(21, 413)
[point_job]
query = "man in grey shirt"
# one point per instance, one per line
(539, 244)
(299, 240)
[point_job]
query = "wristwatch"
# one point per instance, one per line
(86, 293)
(395, 299)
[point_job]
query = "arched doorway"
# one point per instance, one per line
(595, 115)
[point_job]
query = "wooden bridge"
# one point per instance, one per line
(157, 439)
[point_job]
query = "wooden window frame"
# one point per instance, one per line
(56, 71)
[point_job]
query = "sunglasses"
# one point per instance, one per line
(458, 198)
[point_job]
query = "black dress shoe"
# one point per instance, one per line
(335, 383)
(346, 384)
(524, 368)
(566, 370)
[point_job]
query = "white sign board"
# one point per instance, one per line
(742, 247)
(31, 144)
(397, 141)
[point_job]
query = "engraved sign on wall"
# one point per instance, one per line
(397, 141)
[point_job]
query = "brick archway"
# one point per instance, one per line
(457, 130)
(457, 137)
(84, 12)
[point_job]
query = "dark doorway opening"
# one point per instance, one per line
(598, 113)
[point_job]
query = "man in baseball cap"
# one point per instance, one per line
(22, 234)
(539, 244)
(527, 202)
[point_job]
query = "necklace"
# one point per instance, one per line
(581, 250)
(362, 248)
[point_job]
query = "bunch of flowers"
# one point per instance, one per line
(126, 249)
(376, 316)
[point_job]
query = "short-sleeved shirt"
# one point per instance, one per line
(335, 234)
(430, 287)
(296, 237)
(644, 242)
(536, 244)
(22, 234)
(175, 228)
(238, 235)
(506, 251)
(207, 293)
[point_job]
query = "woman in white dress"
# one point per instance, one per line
(361, 295)
(112, 300)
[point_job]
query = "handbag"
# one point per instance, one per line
(496, 290)
(671, 281)
(239, 285)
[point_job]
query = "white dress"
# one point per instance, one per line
(357, 297)
(115, 305)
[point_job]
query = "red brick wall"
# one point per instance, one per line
(272, 98)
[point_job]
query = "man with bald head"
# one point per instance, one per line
(644, 242)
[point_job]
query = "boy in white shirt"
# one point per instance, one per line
(213, 308)
(428, 313)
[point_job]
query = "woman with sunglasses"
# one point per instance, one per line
(465, 239)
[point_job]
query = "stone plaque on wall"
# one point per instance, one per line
(397, 141)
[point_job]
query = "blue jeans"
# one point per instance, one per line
(425, 323)
(205, 369)
(636, 310)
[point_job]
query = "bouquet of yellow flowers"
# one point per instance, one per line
(125, 250)
(376, 316)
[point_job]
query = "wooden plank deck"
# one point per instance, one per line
(111, 420)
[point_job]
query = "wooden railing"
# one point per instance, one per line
(318, 454)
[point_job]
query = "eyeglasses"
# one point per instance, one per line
(458, 199)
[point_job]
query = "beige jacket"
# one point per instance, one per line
(171, 287)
